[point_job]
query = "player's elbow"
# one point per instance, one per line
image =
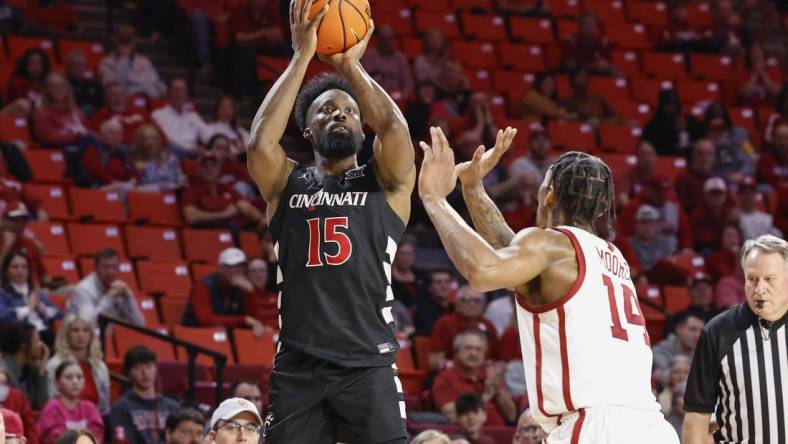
(479, 279)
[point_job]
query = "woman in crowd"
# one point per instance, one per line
(67, 411)
(227, 125)
(734, 151)
(542, 101)
(77, 342)
(157, 170)
(59, 121)
(671, 131)
(27, 81)
(21, 299)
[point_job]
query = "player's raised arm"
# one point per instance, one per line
(268, 163)
(487, 218)
(484, 267)
(394, 156)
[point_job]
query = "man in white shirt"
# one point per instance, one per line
(182, 126)
(753, 222)
(101, 292)
(129, 68)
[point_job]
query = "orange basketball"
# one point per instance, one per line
(345, 24)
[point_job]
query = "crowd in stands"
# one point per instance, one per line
(700, 177)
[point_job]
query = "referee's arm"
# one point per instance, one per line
(702, 391)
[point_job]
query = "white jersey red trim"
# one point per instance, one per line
(587, 349)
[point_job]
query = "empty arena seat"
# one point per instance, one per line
(693, 91)
(475, 54)
(13, 128)
(648, 13)
(212, 338)
(610, 87)
(98, 205)
(52, 235)
(52, 197)
(713, 66)
(153, 243)
(532, 30)
(87, 239)
(572, 135)
(18, 45)
(522, 57)
(250, 244)
(676, 298)
(47, 165)
(200, 270)
(491, 28)
(564, 8)
(445, 21)
(664, 65)
(62, 267)
(609, 12)
(148, 308)
(154, 208)
(627, 62)
(205, 245)
(632, 110)
(619, 138)
(172, 309)
(628, 35)
(647, 90)
(171, 278)
(254, 350)
(126, 338)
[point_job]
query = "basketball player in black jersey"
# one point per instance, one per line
(335, 228)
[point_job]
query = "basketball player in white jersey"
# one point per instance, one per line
(585, 347)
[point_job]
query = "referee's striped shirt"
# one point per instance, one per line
(740, 373)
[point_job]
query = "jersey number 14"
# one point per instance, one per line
(330, 235)
(631, 310)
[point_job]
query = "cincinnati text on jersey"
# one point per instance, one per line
(321, 198)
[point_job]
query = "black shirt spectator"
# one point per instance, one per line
(433, 302)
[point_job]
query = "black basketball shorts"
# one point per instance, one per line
(313, 401)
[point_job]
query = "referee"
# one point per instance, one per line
(740, 368)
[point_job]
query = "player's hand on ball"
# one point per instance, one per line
(484, 160)
(438, 176)
(353, 54)
(303, 30)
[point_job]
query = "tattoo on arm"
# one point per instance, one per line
(487, 219)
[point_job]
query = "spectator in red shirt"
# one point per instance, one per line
(469, 375)
(59, 121)
(709, 219)
(468, 310)
(690, 183)
(588, 49)
(107, 163)
(208, 203)
(27, 81)
(476, 128)
(635, 179)
(234, 173)
(723, 262)
(773, 165)
(224, 298)
(53, 15)
(14, 239)
(115, 106)
(523, 215)
(13, 399)
(266, 301)
(471, 418)
(256, 28)
(404, 279)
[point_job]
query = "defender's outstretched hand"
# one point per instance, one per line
(474, 170)
(353, 54)
(303, 30)
(438, 176)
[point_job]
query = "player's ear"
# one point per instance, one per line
(549, 198)
(307, 134)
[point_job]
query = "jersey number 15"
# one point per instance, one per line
(331, 234)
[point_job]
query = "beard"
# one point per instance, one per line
(336, 146)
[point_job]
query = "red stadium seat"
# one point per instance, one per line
(479, 80)
(610, 87)
(699, 15)
(572, 136)
(399, 19)
(564, 8)
(648, 13)
(410, 46)
(153, 243)
(126, 338)
(647, 90)
(412, 379)
(447, 22)
(626, 62)
(14, 128)
(251, 349)
(498, 107)
(664, 65)
(86, 240)
(490, 28)
(148, 308)
(532, 30)
(199, 270)
(98, 205)
(94, 51)
(52, 198)
(632, 110)
(567, 29)
(154, 208)
(47, 165)
(474, 54)
(52, 235)
(422, 346)
(693, 91)
(713, 67)
(608, 11)
(433, 6)
(125, 272)
(213, 338)
(670, 167)
(205, 245)
(512, 83)
(628, 36)
(619, 138)
(523, 57)
(482, 5)
(18, 45)
(676, 298)
(745, 118)
(172, 309)
(62, 267)
(250, 244)
(171, 278)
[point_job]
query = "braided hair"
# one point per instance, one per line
(584, 190)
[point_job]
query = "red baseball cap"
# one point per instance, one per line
(13, 424)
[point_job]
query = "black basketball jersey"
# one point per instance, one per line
(335, 238)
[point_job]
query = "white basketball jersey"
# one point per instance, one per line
(590, 348)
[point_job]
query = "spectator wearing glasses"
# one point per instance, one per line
(236, 420)
(527, 431)
(184, 426)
